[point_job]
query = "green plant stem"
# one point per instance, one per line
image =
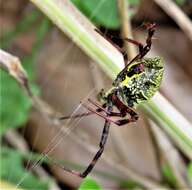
(164, 114)
(78, 28)
(71, 22)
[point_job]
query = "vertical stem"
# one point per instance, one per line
(126, 27)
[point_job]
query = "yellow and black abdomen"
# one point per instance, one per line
(139, 87)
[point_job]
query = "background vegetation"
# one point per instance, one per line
(136, 157)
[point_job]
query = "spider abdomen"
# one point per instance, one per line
(139, 87)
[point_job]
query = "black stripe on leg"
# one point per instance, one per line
(100, 151)
(92, 164)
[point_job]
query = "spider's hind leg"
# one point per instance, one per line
(99, 152)
(102, 143)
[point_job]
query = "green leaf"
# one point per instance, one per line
(103, 12)
(180, 2)
(189, 172)
(23, 26)
(89, 184)
(169, 176)
(12, 170)
(133, 2)
(129, 184)
(14, 105)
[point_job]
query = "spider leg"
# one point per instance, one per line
(99, 109)
(138, 44)
(76, 173)
(102, 143)
(106, 132)
(91, 112)
(151, 30)
(133, 116)
(121, 122)
(110, 41)
(124, 110)
(143, 50)
(99, 114)
(76, 116)
(97, 105)
(114, 114)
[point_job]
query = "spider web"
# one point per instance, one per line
(63, 131)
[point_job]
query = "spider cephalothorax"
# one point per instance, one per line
(137, 82)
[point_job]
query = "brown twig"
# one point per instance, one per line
(13, 66)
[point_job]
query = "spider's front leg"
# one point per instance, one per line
(144, 49)
(123, 111)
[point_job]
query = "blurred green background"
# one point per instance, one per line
(55, 67)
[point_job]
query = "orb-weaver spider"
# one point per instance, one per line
(137, 82)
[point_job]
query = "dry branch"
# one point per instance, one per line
(13, 66)
(177, 15)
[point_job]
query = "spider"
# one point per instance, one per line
(137, 82)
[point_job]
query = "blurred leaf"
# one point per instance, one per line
(7, 185)
(129, 184)
(14, 104)
(102, 12)
(23, 26)
(189, 172)
(28, 62)
(89, 184)
(133, 2)
(180, 2)
(168, 175)
(12, 170)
